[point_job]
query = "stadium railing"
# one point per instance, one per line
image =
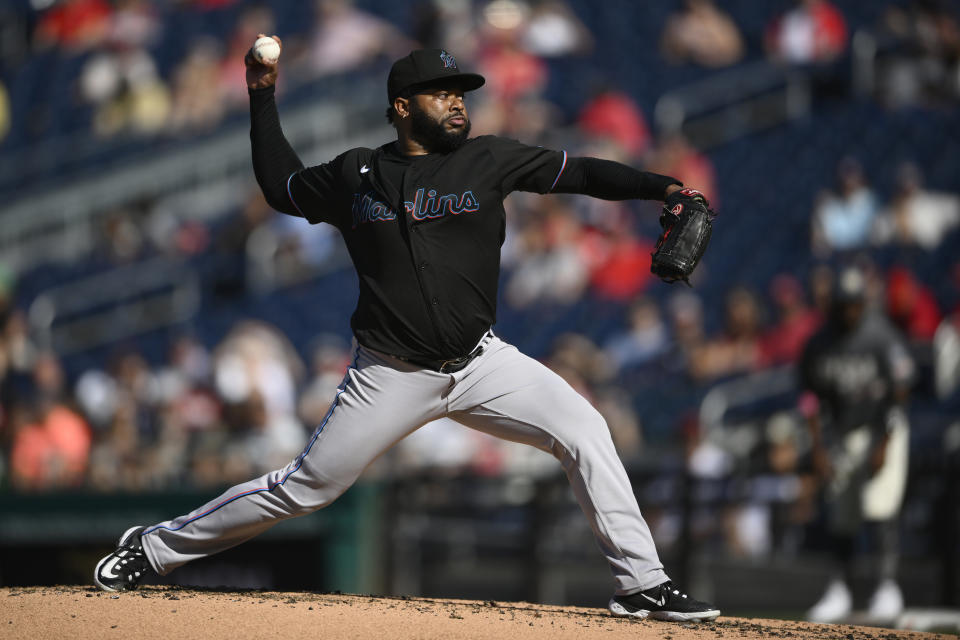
(37, 226)
(733, 103)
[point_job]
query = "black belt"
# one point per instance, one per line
(446, 366)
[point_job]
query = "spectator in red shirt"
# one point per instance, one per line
(50, 448)
(813, 31)
(676, 157)
(614, 116)
(911, 305)
(74, 24)
(624, 270)
(796, 322)
(511, 72)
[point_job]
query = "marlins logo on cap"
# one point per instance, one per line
(449, 62)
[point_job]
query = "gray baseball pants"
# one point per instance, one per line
(381, 400)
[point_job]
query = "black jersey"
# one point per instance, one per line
(855, 375)
(424, 233)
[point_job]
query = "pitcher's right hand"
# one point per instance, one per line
(260, 75)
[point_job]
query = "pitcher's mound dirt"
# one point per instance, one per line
(168, 612)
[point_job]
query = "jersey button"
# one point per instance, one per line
(435, 302)
(423, 266)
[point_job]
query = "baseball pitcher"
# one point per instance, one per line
(423, 220)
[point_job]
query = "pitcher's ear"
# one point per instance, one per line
(402, 107)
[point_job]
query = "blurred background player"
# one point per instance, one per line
(855, 373)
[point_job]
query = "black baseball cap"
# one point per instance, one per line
(423, 68)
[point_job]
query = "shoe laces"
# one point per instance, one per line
(668, 586)
(132, 561)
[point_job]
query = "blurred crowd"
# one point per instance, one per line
(219, 415)
(139, 78)
(209, 415)
(850, 216)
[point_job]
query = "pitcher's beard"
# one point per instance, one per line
(434, 136)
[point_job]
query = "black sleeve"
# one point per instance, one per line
(610, 180)
(524, 168)
(318, 192)
(274, 160)
(311, 192)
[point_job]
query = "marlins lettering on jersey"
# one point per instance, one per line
(433, 207)
(366, 208)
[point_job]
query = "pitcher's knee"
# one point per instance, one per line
(305, 495)
(317, 502)
(588, 431)
(321, 498)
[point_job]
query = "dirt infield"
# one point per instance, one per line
(165, 612)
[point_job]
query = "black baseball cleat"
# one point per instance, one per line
(126, 566)
(663, 602)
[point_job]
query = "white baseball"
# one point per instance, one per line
(266, 50)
